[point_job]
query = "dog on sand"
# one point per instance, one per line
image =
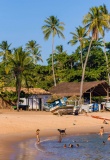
(62, 131)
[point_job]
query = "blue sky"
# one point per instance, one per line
(21, 21)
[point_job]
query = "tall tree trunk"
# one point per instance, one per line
(106, 62)
(81, 56)
(83, 73)
(18, 88)
(53, 61)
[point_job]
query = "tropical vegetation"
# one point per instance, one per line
(55, 27)
(90, 61)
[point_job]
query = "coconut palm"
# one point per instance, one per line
(5, 49)
(104, 12)
(59, 49)
(31, 45)
(37, 55)
(53, 27)
(94, 22)
(78, 36)
(33, 49)
(18, 63)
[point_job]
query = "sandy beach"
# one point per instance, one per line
(17, 126)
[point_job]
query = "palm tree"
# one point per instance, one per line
(55, 27)
(5, 49)
(79, 36)
(60, 56)
(33, 48)
(18, 63)
(94, 22)
(31, 45)
(104, 12)
(59, 49)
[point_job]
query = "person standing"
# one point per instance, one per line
(108, 138)
(60, 138)
(101, 131)
(38, 136)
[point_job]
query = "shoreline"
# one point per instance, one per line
(20, 126)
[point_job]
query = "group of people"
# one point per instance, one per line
(101, 132)
(70, 145)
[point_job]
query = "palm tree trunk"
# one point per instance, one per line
(18, 88)
(18, 94)
(81, 56)
(53, 61)
(106, 62)
(83, 73)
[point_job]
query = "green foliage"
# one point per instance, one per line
(9, 97)
(18, 67)
(53, 26)
(74, 75)
(34, 50)
(98, 99)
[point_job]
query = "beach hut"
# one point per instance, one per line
(35, 99)
(90, 89)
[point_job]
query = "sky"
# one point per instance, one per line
(21, 21)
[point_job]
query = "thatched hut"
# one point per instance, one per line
(36, 99)
(69, 89)
(27, 90)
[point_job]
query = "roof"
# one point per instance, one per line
(28, 90)
(73, 88)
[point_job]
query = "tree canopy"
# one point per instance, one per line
(19, 66)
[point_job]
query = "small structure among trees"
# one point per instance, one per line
(90, 89)
(33, 97)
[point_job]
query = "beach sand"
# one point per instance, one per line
(18, 126)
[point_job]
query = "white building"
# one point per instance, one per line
(35, 102)
(35, 98)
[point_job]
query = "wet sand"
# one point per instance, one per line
(19, 126)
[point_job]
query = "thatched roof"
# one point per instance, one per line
(28, 90)
(98, 88)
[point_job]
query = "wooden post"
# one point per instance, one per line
(107, 94)
(90, 97)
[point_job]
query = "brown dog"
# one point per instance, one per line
(62, 131)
